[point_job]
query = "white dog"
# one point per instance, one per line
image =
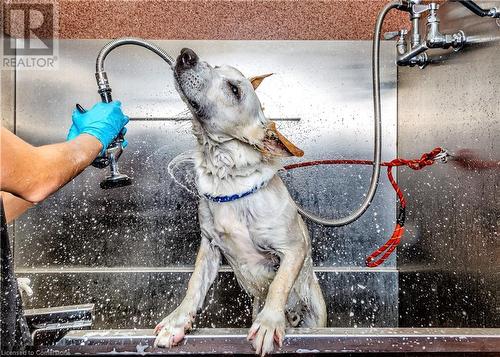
(246, 212)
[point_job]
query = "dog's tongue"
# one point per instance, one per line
(288, 145)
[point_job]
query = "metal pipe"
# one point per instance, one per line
(475, 8)
(415, 37)
(377, 144)
(405, 58)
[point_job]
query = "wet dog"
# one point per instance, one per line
(245, 212)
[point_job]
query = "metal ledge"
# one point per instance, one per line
(48, 325)
(324, 340)
(38, 318)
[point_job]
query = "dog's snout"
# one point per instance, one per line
(188, 58)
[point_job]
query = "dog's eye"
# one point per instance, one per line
(236, 91)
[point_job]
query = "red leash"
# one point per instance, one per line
(427, 159)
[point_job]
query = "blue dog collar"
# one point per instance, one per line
(236, 196)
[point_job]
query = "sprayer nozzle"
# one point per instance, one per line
(116, 181)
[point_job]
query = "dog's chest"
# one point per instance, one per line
(247, 250)
(236, 234)
(253, 227)
(240, 237)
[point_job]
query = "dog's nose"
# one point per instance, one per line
(187, 58)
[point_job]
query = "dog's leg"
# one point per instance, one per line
(256, 306)
(316, 315)
(173, 328)
(269, 326)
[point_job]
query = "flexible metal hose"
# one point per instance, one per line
(99, 65)
(376, 108)
(377, 144)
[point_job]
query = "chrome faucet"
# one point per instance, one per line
(412, 52)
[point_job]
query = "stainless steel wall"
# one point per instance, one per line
(131, 250)
(450, 260)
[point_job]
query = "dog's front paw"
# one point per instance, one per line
(173, 328)
(268, 328)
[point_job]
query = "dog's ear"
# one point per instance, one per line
(275, 144)
(257, 80)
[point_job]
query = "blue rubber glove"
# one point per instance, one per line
(104, 121)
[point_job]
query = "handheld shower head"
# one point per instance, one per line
(110, 157)
(115, 178)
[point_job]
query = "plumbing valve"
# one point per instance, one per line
(401, 42)
(435, 39)
(415, 54)
(421, 60)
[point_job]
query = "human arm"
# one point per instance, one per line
(14, 206)
(33, 173)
